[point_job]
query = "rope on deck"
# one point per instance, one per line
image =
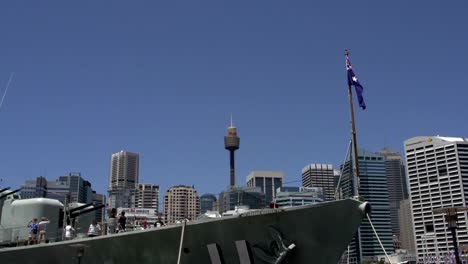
(380, 242)
(181, 241)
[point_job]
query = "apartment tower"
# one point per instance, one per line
(181, 202)
(147, 196)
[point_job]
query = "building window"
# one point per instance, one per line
(442, 170)
(429, 228)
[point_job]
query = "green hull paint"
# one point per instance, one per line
(320, 233)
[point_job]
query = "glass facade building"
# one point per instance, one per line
(233, 196)
(72, 188)
(373, 187)
(207, 203)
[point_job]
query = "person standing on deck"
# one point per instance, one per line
(112, 222)
(94, 229)
(42, 228)
(69, 231)
(159, 223)
(122, 222)
(32, 232)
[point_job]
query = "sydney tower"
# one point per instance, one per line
(231, 143)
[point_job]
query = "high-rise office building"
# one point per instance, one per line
(66, 189)
(89, 196)
(296, 196)
(437, 169)
(123, 179)
(268, 181)
(322, 176)
(406, 226)
(208, 202)
(34, 188)
(233, 196)
(99, 199)
(396, 182)
(373, 187)
(231, 143)
(80, 189)
(147, 196)
(60, 190)
(181, 202)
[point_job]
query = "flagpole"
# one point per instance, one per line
(353, 125)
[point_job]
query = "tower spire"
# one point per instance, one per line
(232, 125)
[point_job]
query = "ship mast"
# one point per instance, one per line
(354, 139)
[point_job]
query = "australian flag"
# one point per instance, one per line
(352, 80)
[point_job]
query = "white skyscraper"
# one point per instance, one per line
(123, 179)
(437, 169)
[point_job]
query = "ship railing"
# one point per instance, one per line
(262, 212)
(13, 235)
(20, 234)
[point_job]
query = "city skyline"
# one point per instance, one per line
(163, 81)
(290, 182)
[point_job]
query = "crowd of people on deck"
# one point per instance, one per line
(115, 224)
(118, 224)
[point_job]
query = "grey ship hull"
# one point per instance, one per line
(320, 233)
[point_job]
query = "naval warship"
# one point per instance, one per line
(317, 233)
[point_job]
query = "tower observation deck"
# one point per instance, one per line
(231, 143)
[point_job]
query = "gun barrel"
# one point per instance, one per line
(6, 194)
(79, 207)
(75, 214)
(4, 189)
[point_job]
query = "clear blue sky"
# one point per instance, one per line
(160, 78)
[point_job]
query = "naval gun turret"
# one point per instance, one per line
(17, 213)
(3, 195)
